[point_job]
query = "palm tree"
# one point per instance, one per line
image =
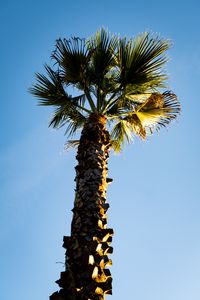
(118, 94)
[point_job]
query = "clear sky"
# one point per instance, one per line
(154, 198)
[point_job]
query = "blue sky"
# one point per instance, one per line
(154, 198)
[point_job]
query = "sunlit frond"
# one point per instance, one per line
(149, 113)
(137, 98)
(136, 125)
(158, 110)
(141, 61)
(120, 134)
(116, 146)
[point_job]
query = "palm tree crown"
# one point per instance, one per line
(116, 77)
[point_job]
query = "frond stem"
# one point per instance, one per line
(84, 109)
(110, 103)
(91, 102)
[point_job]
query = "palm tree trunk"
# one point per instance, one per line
(86, 276)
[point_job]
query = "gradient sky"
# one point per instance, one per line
(154, 198)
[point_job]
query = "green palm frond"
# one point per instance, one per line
(75, 122)
(49, 88)
(80, 100)
(102, 47)
(72, 58)
(50, 91)
(69, 115)
(141, 61)
(110, 83)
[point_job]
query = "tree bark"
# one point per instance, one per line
(86, 276)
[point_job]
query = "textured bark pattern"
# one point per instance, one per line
(86, 276)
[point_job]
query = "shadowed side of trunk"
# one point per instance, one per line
(86, 276)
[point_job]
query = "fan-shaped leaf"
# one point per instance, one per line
(158, 110)
(49, 89)
(71, 144)
(120, 133)
(102, 49)
(72, 58)
(140, 61)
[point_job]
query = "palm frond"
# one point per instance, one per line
(68, 115)
(71, 144)
(141, 61)
(120, 133)
(75, 121)
(80, 100)
(137, 98)
(136, 125)
(158, 110)
(71, 55)
(116, 146)
(150, 112)
(102, 48)
(50, 91)
(110, 82)
(49, 88)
